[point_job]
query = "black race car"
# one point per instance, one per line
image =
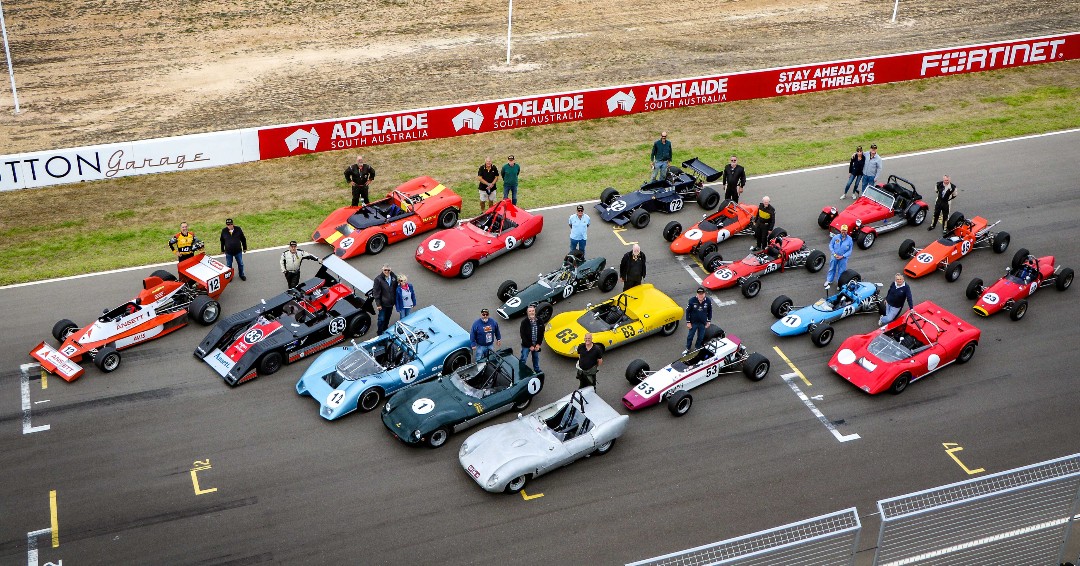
(288, 327)
(576, 274)
(666, 195)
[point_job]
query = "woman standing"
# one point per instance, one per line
(406, 296)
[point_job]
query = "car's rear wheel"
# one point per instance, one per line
(528, 242)
(1019, 309)
(269, 363)
(635, 372)
(376, 244)
(63, 328)
(609, 278)
(164, 275)
(708, 198)
(517, 484)
(777, 233)
(821, 335)
(523, 404)
(608, 196)
(900, 383)
(359, 324)
(672, 230)
(704, 250)
(712, 261)
(1001, 242)
(955, 219)
(907, 249)
(506, 290)
(756, 367)
(848, 276)
(967, 353)
(640, 218)
(205, 310)
(781, 306)
(448, 217)
(544, 311)
(974, 289)
(952, 273)
(369, 400)
(714, 331)
(815, 262)
(107, 359)
(824, 219)
(867, 239)
(605, 447)
(751, 287)
(455, 361)
(468, 268)
(438, 437)
(1064, 279)
(679, 403)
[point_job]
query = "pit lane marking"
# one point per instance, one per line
(527, 497)
(44, 379)
(951, 448)
(689, 269)
(54, 530)
(24, 383)
(794, 369)
(200, 465)
(618, 230)
(789, 379)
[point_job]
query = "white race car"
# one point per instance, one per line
(719, 354)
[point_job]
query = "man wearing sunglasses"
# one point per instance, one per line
(734, 179)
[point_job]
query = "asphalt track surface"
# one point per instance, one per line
(292, 488)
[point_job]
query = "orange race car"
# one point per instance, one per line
(731, 219)
(961, 236)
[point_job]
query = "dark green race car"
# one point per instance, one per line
(576, 274)
(430, 412)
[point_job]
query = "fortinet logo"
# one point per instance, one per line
(622, 100)
(468, 118)
(988, 58)
(308, 140)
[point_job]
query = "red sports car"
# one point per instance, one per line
(880, 209)
(458, 251)
(922, 341)
(961, 237)
(781, 253)
(1026, 275)
(413, 208)
(732, 219)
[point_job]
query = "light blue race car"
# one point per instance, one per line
(853, 297)
(359, 377)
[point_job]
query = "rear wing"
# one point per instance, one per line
(699, 167)
(348, 273)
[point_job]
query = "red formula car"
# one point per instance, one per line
(732, 219)
(884, 208)
(961, 237)
(922, 341)
(164, 305)
(781, 253)
(1026, 275)
(419, 205)
(458, 251)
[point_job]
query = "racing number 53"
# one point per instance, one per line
(566, 336)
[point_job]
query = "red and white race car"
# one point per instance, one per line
(882, 208)
(922, 341)
(732, 219)
(961, 238)
(1026, 275)
(164, 305)
(458, 251)
(720, 354)
(413, 208)
(781, 253)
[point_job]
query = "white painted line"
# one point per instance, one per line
(690, 269)
(25, 383)
(978, 542)
(41, 401)
(813, 409)
(31, 545)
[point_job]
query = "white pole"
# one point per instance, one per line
(7, 53)
(895, 7)
(509, 20)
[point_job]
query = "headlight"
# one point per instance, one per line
(420, 249)
(493, 480)
(464, 449)
(448, 264)
(416, 434)
(832, 210)
(858, 223)
(386, 408)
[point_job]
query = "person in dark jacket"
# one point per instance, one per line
(384, 295)
(698, 318)
(894, 300)
(734, 179)
(632, 268)
(764, 221)
(484, 335)
(359, 175)
(532, 336)
(233, 245)
(660, 158)
(946, 192)
(855, 169)
(590, 358)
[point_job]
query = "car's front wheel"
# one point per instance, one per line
(517, 484)
(751, 287)
(867, 239)
(369, 400)
(63, 328)
(605, 447)
(468, 268)
(438, 437)
(900, 384)
(635, 372)
(669, 328)
(1019, 310)
(269, 363)
(821, 335)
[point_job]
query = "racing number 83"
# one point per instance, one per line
(566, 336)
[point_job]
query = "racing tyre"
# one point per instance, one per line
(824, 219)
(164, 275)
(528, 242)
(714, 331)
(866, 239)
(448, 218)
(1001, 242)
(669, 328)
(955, 219)
(672, 230)
(679, 403)
(907, 249)
(635, 372)
(900, 384)
(369, 400)
(468, 268)
(544, 311)
(916, 216)
(456, 361)
(815, 261)
(359, 325)
(712, 262)
(438, 437)
(1018, 258)
(269, 363)
(205, 310)
(523, 404)
(848, 276)
(608, 196)
(974, 289)
(506, 290)
(107, 359)
(708, 198)
(609, 278)
(1019, 310)
(756, 367)
(376, 244)
(781, 306)
(821, 335)
(952, 273)
(777, 233)
(517, 484)
(640, 218)
(704, 250)
(751, 287)
(62, 329)
(1064, 279)
(605, 447)
(966, 353)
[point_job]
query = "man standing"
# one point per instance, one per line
(509, 172)
(184, 244)
(359, 175)
(485, 333)
(734, 179)
(698, 318)
(290, 264)
(532, 335)
(840, 247)
(384, 297)
(579, 230)
(488, 177)
(764, 221)
(590, 358)
(660, 158)
(855, 172)
(632, 268)
(946, 191)
(233, 245)
(894, 300)
(872, 167)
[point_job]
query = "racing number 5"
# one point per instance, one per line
(566, 336)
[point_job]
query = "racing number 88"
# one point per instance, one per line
(566, 336)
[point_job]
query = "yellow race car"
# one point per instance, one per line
(633, 314)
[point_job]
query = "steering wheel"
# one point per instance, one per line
(295, 293)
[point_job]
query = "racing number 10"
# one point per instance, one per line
(566, 336)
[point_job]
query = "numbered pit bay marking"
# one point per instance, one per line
(200, 465)
(24, 384)
(951, 448)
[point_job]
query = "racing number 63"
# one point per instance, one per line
(566, 336)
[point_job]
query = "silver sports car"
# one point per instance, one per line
(504, 457)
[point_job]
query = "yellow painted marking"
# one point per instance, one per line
(950, 448)
(333, 238)
(44, 379)
(55, 523)
(618, 234)
(200, 465)
(527, 497)
(793, 368)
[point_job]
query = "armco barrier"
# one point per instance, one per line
(229, 147)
